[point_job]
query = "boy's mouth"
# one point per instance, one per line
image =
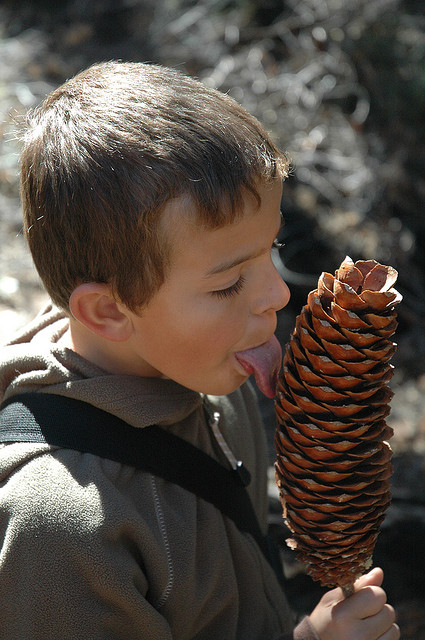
(264, 362)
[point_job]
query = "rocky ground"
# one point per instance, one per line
(341, 87)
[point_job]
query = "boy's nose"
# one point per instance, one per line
(274, 293)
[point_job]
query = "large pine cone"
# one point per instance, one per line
(333, 459)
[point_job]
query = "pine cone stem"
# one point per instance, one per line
(348, 590)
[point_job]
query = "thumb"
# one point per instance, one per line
(373, 578)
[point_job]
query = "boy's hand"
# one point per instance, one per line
(363, 616)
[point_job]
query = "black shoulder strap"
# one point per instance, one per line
(73, 424)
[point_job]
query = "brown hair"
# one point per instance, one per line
(105, 152)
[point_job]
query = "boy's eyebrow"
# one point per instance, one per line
(226, 266)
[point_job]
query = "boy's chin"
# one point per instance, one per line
(223, 388)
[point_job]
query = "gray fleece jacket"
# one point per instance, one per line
(96, 550)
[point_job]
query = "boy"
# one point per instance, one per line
(151, 205)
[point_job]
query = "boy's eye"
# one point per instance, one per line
(230, 291)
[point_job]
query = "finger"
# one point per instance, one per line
(364, 603)
(378, 625)
(392, 634)
(374, 577)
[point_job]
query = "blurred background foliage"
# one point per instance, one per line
(341, 86)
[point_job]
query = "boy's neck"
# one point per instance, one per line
(114, 357)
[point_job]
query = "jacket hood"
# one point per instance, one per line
(35, 360)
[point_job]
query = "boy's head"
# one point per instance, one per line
(108, 150)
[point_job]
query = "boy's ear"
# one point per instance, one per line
(93, 304)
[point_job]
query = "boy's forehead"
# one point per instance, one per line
(183, 229)
(178, 210)
(183, 211)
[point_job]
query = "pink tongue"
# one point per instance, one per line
(264, 362)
